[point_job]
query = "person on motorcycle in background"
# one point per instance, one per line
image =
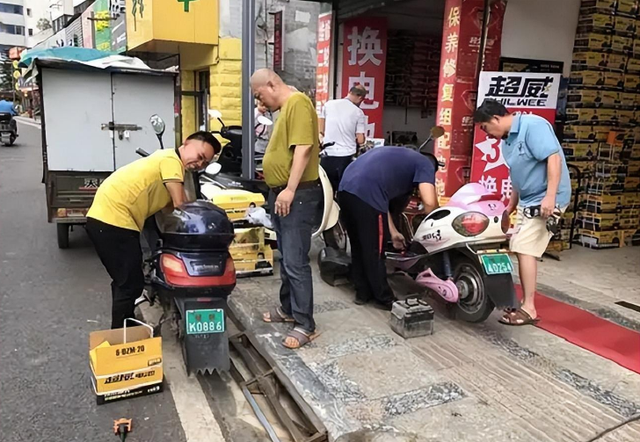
(126, 199)
(540, 178)
(7, 107)
(381, 179)
(263, 132)
(342, 127)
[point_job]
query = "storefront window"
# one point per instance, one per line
(12, 29)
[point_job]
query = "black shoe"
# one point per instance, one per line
(359, 301)
(387, 305)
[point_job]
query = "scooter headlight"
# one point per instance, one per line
(470, 223)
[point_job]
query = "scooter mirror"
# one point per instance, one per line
(264, 121)
(158, 124)
(437, 132)
(215, 113)
(213, 169)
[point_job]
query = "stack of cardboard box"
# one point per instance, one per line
(601, 136)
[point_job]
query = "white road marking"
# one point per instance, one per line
(28, 122)
(196, 417)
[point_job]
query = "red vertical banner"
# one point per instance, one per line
(457, 95)
(520, 92)
(278, 38)
(363, 62)
(323, 47)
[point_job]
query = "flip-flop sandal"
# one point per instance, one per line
(518, 318)
(303, 337)
(276, 315)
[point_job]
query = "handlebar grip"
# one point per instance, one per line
(143, 153)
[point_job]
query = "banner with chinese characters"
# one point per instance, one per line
(324, 59)
(461, 39)
(278, 39)
(520, 92)
(363, 62)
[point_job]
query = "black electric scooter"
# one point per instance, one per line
(189, 271)
(8, 129)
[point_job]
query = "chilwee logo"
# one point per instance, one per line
(518, 91)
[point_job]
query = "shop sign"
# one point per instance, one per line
(324, 59)
(87, 27)
(278, 38)
(521, 92)
(102, 25)
(363, 62)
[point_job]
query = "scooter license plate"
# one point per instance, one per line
(205, 321)
(496, 263)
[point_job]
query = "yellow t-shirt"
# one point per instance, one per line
(136, 191)
(297, 125)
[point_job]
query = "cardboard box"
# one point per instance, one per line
(588, 78)
(601, 203)
(594, 20)
(591, 60)
(630, 237)
(626, 116)
(586, 133)
(617, 62)
(614, 79)
(631, 82)
(621, 43)
(593, 40)
(613, 170)
(629, 223)
(580, 151)
(610, 98)
(630, 200)
(630, 152)
(632, 184)
(601, 240)
(607, 116)
(636, 46)
(604, 186)
(633, 65)
(599, 222)
(625, 25)
(630, 213)
(249, 240)
(235, 202)
(125, 359)
(582, 115)
(604, 5)
(633, 168)
(583, 166)
(629, 99)
(615, 138)
(584, 97)
(628, 7)
(259, 262)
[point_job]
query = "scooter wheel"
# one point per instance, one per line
(474, 304)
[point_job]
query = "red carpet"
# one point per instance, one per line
(611, 341)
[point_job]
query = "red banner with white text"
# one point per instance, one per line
(363, 62)
(520, 92)
(323, 47)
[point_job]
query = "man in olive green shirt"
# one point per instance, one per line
(290, 166)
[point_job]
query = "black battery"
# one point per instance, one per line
(411, 318)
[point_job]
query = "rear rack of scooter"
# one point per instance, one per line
(257, 374)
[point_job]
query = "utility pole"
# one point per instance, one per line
(248, 66)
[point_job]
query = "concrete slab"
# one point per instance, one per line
(466, 382)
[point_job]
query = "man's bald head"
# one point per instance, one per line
(357, 94)
(268, 87)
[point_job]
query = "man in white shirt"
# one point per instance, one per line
(342, 127)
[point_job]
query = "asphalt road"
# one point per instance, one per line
(50, 300)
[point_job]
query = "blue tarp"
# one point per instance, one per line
(69, 53)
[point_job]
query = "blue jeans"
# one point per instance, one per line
(294, 241)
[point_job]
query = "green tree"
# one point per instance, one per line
(6, 73)
(43, 24)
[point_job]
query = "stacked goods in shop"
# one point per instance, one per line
(412, 73)
(251, 255)
(603, 110)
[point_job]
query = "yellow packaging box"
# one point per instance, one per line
(125, 359)
(602, 203)
(601, 240)
(586, 133)
(247, 240)
(633, 65)
(260, 261)
(617, 62)
(621, 43)
(582, 115)
(626, 116)
(610, 98)
(588, 78)
(632, 184)
(599, 221)
(614, 79)
(629, 7)
(631, 82)
(580, 151)
(591, 59)
(633, 167)
(629, 99)
(584, 97)
(630, 200)
(235, 202)
(596, 21)
(625, 25)
(629, 236)
(593, 40)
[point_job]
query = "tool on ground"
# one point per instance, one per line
(121, 428)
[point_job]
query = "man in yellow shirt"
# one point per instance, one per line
(290, 167)
(126, 199)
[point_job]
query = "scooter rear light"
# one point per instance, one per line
(506, 222)
(470, 224)
(176, 274)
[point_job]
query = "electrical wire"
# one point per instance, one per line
(614, 428)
